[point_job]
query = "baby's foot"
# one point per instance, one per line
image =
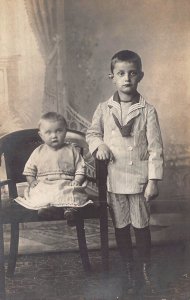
(51, 213)
(70, 216)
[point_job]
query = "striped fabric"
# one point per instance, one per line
(137, 157)
(129, 209)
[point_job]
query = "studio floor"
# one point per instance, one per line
(49, 267)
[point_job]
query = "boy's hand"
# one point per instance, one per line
(33, 184)
(104, 153)
(151, 190)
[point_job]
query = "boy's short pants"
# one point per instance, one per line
(129, 209)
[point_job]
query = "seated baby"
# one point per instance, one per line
(55, 172)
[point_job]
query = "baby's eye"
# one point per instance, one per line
(59, 130)
(48, 132)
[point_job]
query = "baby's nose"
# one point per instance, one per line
(53, 134)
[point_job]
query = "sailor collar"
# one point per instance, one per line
(114, 102)
(133, 112)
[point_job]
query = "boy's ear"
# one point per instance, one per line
(110, 76)
(141, 75)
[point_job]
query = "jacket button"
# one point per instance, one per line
(130, 163)
(130, 148)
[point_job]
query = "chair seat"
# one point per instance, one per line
(17, 213)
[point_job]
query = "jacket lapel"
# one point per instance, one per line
(115, 107)
(134, 111)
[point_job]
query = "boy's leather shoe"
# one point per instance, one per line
(130, 283)
(149, 285)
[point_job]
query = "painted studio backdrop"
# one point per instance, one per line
(55, 56)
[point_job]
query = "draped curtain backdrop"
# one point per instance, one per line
(46, 18)
(47, 21)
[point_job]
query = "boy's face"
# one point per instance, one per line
(126, 77)
(52, 133)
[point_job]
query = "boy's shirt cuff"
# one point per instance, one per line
(94, 145)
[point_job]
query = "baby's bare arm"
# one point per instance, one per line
(79, 179)
(32, 181)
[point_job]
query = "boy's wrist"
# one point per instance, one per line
(103, 145)
(153, 181)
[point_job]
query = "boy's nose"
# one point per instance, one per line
(127, 77)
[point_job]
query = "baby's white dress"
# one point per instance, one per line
(55, 170)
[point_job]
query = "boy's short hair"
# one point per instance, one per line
(52, 117)
(126, 55)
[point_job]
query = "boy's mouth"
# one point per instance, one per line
(127, 85)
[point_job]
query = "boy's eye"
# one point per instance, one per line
(133, 73)
(121, 73)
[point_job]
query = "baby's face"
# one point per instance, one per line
(126, 77)
(52, 133)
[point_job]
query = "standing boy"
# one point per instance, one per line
(125, 131)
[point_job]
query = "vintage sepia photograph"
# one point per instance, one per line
(94, 150)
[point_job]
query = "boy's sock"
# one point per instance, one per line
(124, 243)
(143, 243)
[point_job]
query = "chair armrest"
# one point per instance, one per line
(101, 175)
(4, 182)
(91, 179)
(101, 172)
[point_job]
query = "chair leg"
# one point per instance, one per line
(2, 266)
(82, 244)
(104, 238)
(13, 249)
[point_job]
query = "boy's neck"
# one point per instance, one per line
(129, 97)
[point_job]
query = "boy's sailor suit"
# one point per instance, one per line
(135, 140)
(139, 156)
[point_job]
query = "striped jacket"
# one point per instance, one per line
(138, 157)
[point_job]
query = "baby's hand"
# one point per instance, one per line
(33, 184)
(151, 190)
(75, 183)
(104, 153)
